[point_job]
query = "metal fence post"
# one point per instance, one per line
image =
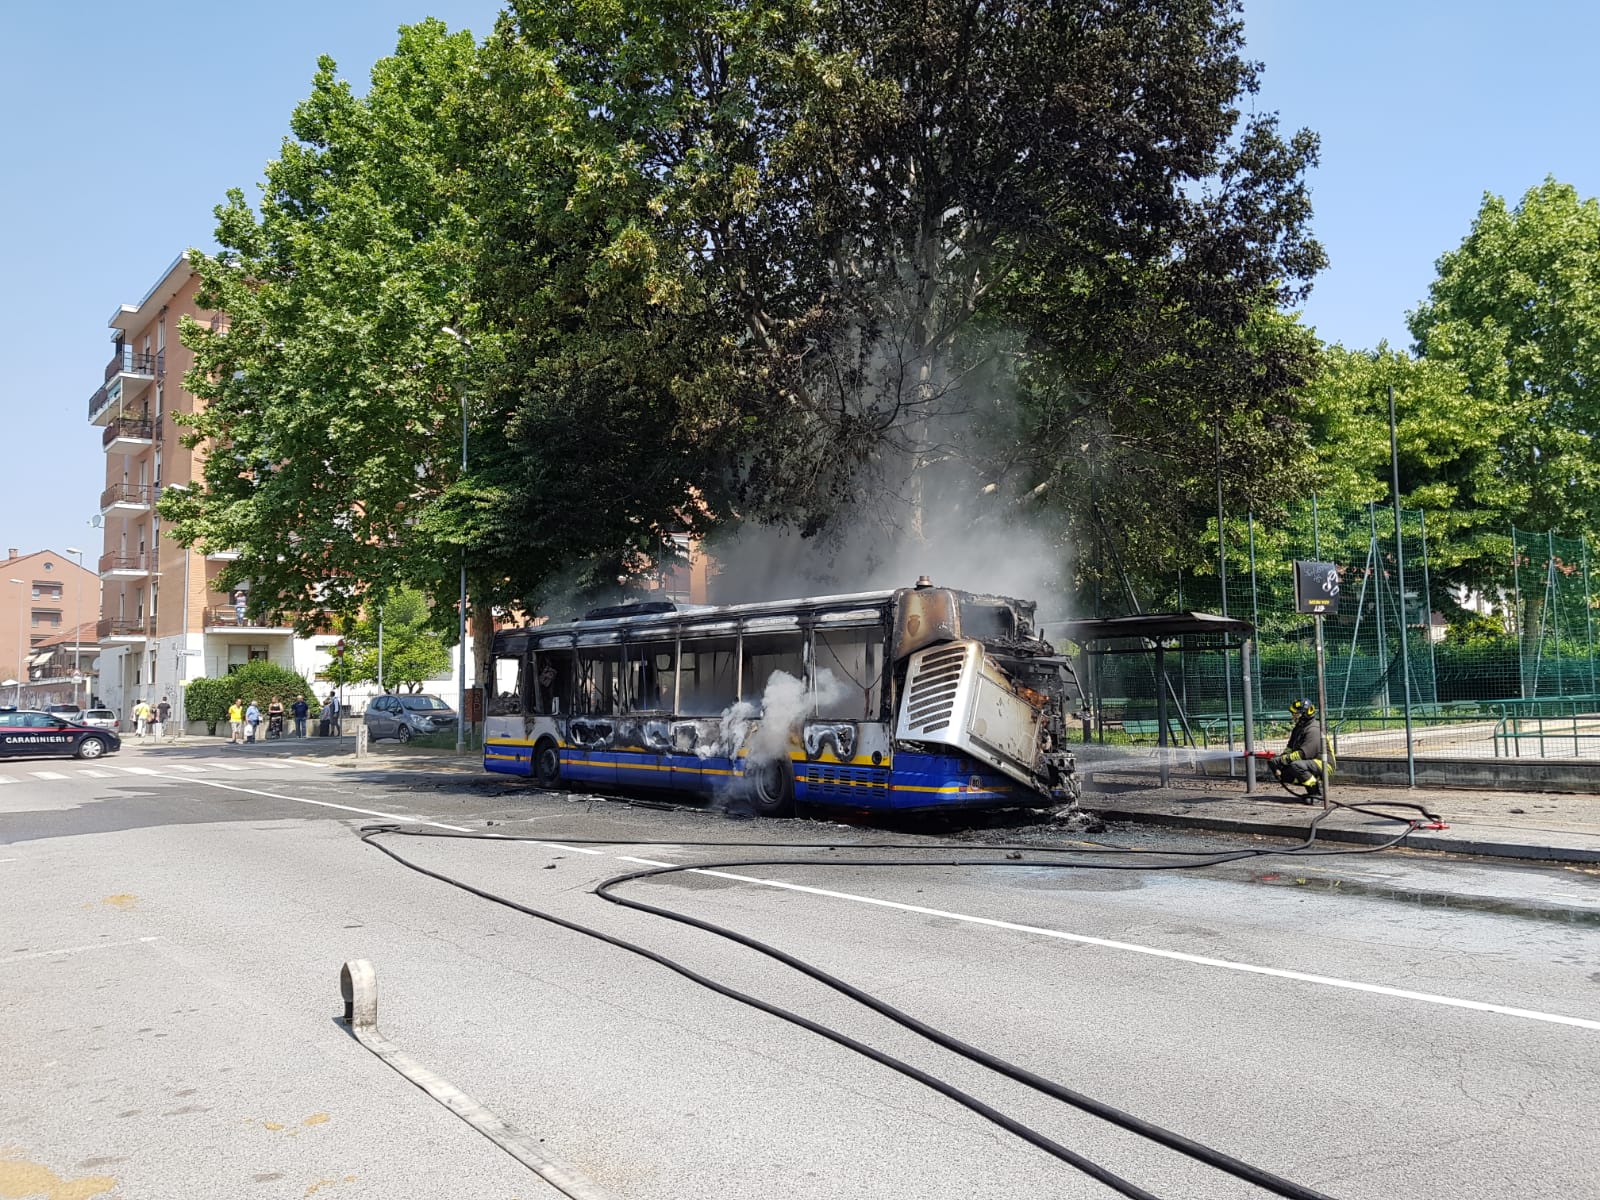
(1516, 613)
(1400, 569)
(1249, 718)
(1588, 614)
(1427, 598)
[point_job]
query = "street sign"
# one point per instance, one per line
(1316, 588)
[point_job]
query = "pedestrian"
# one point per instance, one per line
(252, 719)
(236, 722)
(141, 719)
(163, 715)
(325, 720)
(300, 708)
(333, 713)
(275, 718)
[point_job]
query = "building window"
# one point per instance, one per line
(48, 618)
(46, 591)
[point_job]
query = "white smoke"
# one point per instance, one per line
(785, 704)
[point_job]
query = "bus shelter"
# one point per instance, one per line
(1156, 636)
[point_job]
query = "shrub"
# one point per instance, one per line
(208, 699)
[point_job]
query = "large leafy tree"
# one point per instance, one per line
(331, 419)
(1516, 310)
(1448, 438)
(879, 259)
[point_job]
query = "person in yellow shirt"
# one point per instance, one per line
(236, 721)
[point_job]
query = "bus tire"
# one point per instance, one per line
(771, 788)
(547, 763)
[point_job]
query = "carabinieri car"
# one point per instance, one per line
(26, 734)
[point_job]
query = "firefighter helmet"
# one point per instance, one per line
(1302, 708)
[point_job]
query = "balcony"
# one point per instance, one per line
(123, 631)
(126, 566)
(225, 618)
(129, 497)
(127, 375)
(124, 435)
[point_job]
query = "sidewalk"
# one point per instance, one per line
(1546, 826)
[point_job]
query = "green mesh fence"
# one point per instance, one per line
(1529, 690)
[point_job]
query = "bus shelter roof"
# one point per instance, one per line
(1152, 625)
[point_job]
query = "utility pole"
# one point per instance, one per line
(461, 621)
(77, 630)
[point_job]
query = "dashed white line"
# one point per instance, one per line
(46, 775)
(649, 862)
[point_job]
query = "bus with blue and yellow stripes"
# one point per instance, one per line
(913, 698)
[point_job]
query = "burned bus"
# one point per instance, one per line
(921, 697)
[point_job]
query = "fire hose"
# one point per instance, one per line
(609, 890)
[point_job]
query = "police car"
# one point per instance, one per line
(26, 734)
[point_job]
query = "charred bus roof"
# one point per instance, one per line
(923, 614)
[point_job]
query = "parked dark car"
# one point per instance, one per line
(405, 717)
(26, 734)
(67, 712)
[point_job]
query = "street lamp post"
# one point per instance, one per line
(22, 657)
(461, 630)
(180, 665)
(77, 631)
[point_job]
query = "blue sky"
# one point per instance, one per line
(126, 125)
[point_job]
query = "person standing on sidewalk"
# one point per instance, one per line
(236, 722)
(300, 709)
(163, 715)
(141, 720)
(333, 714)
(252, 721)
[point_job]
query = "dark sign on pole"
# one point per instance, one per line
(1316, 588)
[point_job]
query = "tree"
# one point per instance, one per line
(886, 259)
(412, 652)
(1448, 437)
(1516, 310)
(331, 412)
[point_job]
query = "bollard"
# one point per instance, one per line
(361, 740)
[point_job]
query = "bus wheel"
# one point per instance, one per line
(547, 763)
(771, 791)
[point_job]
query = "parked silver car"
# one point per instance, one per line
(406, 717)
(102, 718)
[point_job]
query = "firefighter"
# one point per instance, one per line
(1301, 764)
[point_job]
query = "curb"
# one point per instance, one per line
(1483, 847)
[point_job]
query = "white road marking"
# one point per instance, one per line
(222, 766)
(46, 775)
(93, 774)
(1174, 955)
(275, 766)
(365, 812)
(649, 862)
(992, 923)
(139, 770)
(186, 768)
(7, 779)
(11, 958)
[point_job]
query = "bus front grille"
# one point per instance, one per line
(931, 697)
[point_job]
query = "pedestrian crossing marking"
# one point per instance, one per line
(46, 775)
(222, 766)
(6, 779)
(139, 770)
(182, 767)
(90, 773)
(276, 766)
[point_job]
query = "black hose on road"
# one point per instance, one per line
(608, 890)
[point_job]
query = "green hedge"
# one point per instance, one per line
(207, 699)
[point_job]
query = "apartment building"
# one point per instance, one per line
(163, 620)
(42, 596)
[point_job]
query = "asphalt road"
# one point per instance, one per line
(1385, 1027)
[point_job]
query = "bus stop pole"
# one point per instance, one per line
(1322, 714)
(1161, 708)
(1249, 719)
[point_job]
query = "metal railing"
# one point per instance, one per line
(128, 361)
(125, 562)
(98, 401)
(128, 493)
(127, 427)
(123, 627)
